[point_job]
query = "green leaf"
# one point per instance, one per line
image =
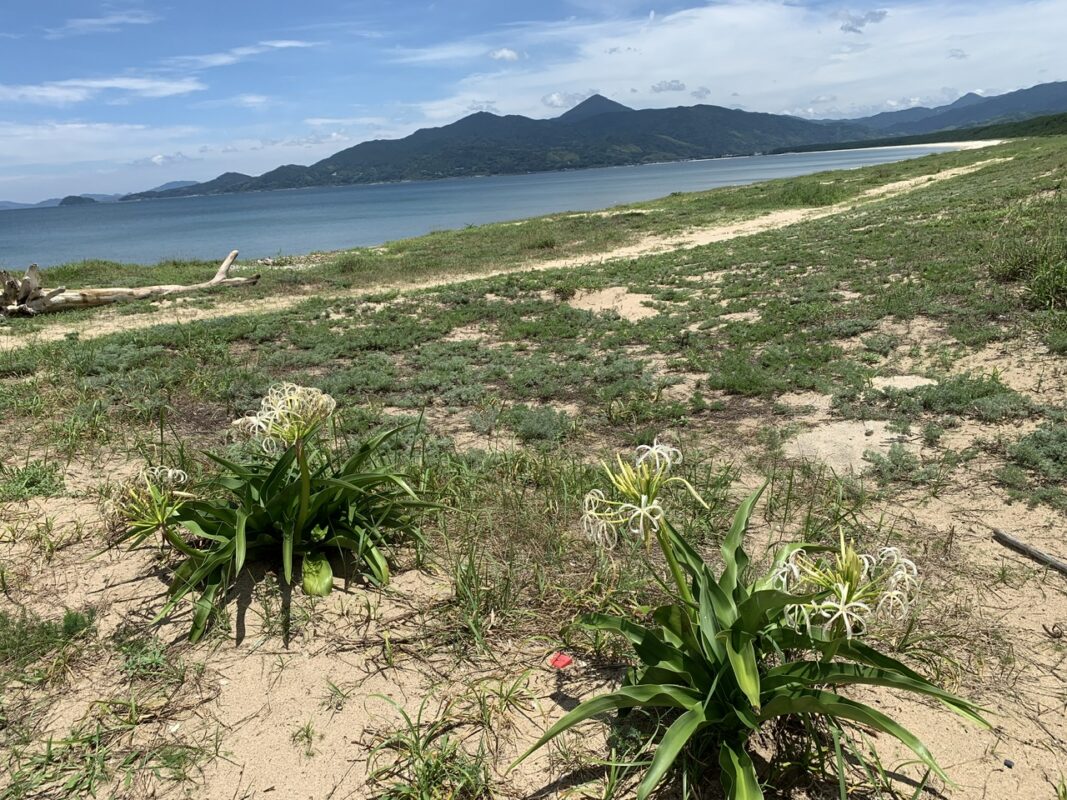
(672, 743)
(814, 673)
(202, 610)
(733, 551)
(812, 701)
(738, 773)
(656, 696)
(287, 557)
(240, 542)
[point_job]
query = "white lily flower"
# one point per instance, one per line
(644, 517)
(851, 613)
(662, 455)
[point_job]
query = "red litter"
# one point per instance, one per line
(560, 661)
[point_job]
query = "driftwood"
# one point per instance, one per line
(27, 297)
(1010, 541)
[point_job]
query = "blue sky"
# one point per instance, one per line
(124, 95)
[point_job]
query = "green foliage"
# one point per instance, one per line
(537, 424)
(1031, 247)
(424, 761)
(983, 397)
(1044, 451)
(725, 659)
(32, 650)
(35, 479)
(303, 503)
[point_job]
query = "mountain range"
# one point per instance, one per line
(600, 132)
(52, 202)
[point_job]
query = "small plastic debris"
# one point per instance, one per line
(1009, 763)
(560, 661)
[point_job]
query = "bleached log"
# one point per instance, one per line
(26, 297)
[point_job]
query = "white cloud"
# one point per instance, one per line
(735, 46)
(108, 23)
(566, 99)
(957, 53)
(79, 90)
(503, 54)
(163, 160)
(237, 54)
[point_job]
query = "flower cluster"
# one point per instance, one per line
(850, 589)
(165, 477)
(288, 413)
(639, 511)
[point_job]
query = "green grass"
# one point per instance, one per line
(33, 650)
(34, 479)
(833, 296)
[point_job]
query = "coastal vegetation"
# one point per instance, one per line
(407, 564)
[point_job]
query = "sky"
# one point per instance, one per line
(118, 95)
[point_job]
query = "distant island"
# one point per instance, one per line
(77, 200)
(600, 132)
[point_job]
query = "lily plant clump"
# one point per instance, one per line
(294, 500)
(735, 651)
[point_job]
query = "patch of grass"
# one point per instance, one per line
(1038, 469)
(423, 760)
(982, 397)
(538, 424)
(34, 651)
(1031, 246)
(35, 479)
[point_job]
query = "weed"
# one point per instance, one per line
(422, 760)
(35, 651)
(35, 479)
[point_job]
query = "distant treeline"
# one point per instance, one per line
(1051, 125)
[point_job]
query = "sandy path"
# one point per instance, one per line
(109, 322)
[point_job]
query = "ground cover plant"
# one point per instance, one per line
(871, 363)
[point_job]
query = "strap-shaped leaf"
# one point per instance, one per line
(240, 542)
(738, 773)
(733, 551)
(812, 701)
(651, 648)
(742, 656)
(662, 696)
(672, 743)
(814, 673)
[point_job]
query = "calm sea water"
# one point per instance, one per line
(302, 220)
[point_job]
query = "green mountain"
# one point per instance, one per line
(596, 133)
(1050, 125)
(600, 133)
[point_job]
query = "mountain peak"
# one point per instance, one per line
(591, 107)
(968, 99)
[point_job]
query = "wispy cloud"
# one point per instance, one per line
(108, 23)
(237, 54)
(79, 90)
(163, 160)
(504, 54)
(855, 23)
(668, 86)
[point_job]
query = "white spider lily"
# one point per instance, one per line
(644, 517)
(892, 557)
(894, 604)
(787, 575)
(599, 532)
(166, 477)
(851, 614)
(662, 455)
(288, 413)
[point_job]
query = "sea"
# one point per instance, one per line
(291, 222)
